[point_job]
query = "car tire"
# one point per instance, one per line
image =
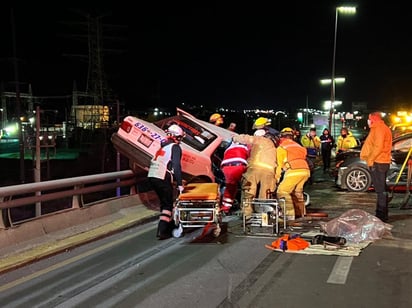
(357, 179)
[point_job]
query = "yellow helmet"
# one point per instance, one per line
(216, 118)
(287, 131)
(260, 123)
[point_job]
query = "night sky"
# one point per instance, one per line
(232, 54)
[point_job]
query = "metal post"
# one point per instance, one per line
(118, 153)
(37, 170)
(332, 81)
(18, 101)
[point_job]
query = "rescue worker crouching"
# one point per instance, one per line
(165, 167)
(233, 165)
(260, 174)
(293, 168)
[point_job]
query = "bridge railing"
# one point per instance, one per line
(33, 197)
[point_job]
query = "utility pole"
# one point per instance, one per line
(94, 33)
(18, 101)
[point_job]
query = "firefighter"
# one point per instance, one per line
(293, 169)
(260, 174)
(216, 119)
(233, 165)
(165, 168)
(264, 123)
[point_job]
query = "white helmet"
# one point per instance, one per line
(175, 130)
(259, 132)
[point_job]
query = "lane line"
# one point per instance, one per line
(340, 270)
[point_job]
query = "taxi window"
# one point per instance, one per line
(196, 136)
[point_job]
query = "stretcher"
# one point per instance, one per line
(267, 217)
(198, 206)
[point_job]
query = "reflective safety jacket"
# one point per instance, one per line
(262, 153)
(312, 144)
(167, 159)
(346, 143)
(290, 156)
(235, 153)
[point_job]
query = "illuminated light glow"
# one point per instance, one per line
(328, 105)
(347, 9)
(328, 81)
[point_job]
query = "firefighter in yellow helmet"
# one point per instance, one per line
(260, 174)
(261, 122)
(292, 172)
(216, 119)
(264, 123)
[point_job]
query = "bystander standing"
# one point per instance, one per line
(326, 145)
(376, 151)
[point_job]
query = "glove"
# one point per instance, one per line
(180, 188)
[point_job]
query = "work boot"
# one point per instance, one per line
(164, 230)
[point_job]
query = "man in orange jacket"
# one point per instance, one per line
(376, 151)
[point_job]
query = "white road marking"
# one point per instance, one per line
(340, 270)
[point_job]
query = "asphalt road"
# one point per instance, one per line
(134, 269)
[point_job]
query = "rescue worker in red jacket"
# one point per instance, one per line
(293, 169)
(233, 165)
(260, 174)
(165, 168)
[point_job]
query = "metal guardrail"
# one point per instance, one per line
(76, 187)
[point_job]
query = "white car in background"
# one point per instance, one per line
(202, 146)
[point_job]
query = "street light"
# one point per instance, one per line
(328, 81)
(329, 106)
(344, 10)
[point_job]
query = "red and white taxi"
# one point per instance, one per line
(202, 145)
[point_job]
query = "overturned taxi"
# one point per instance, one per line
(202, 145)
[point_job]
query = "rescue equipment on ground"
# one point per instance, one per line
(266, 216)
(198, 206)
(290, 242)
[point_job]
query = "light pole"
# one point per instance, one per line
(343, 10)
(328, 104)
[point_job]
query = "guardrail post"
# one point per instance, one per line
(76, 201)
(4, 217)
